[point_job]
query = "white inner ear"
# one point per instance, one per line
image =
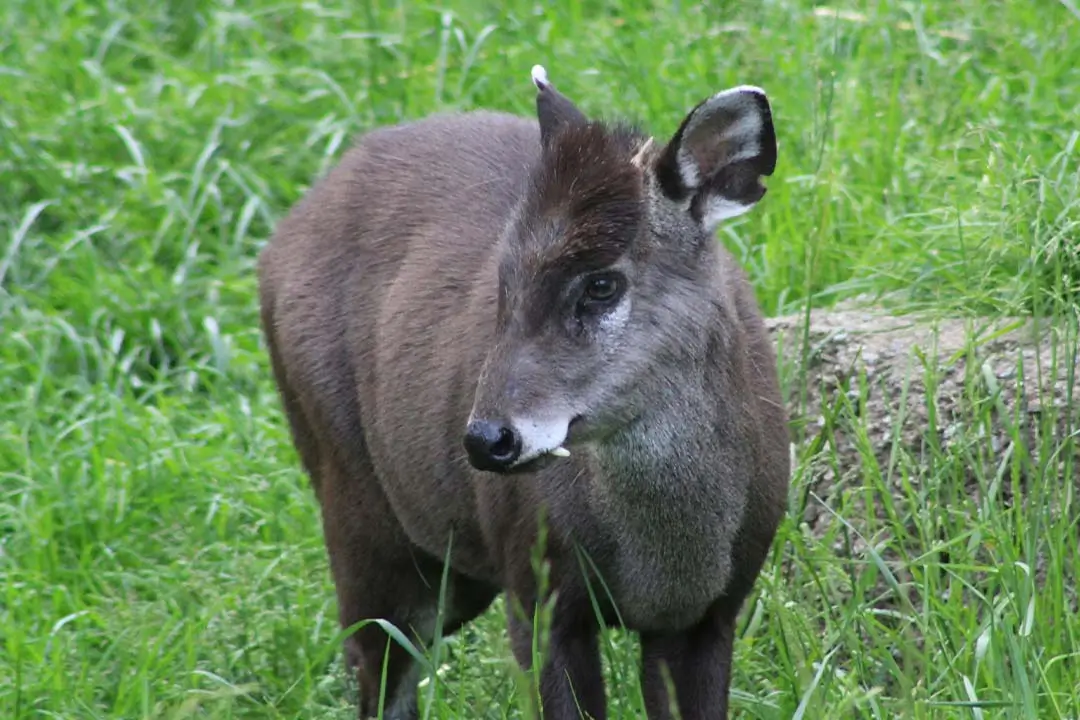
(718, 209)
(747, 127)
(688, 169)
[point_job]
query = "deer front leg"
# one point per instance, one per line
(571, 680)
(698, 662)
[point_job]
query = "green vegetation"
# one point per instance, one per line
(160, 551)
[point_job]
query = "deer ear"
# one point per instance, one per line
(719, 154)
(554, 110)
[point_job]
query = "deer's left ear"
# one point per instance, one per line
(719, 154)
(554, 110)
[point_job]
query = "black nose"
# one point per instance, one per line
(491, 445)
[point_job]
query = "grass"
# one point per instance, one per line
(160, 551)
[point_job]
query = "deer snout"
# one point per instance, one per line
(492, 445)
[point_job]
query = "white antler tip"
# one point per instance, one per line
(539, 76)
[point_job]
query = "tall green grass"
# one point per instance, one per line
(160, 551)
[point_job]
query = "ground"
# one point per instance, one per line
(159, 547)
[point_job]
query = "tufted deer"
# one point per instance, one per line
(477, 317)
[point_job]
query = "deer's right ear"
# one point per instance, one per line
(719, 154)
(553, 109)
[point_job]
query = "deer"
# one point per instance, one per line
(481, 326)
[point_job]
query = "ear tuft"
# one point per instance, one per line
(554, 110)
(539, 77)
(719, 154)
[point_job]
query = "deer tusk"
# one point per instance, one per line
(639, 159)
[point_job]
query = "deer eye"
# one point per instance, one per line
(601, 291)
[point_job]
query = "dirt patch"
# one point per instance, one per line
(883, 405)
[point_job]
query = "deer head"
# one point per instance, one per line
(607, 277)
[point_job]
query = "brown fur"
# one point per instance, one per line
(431, 277)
